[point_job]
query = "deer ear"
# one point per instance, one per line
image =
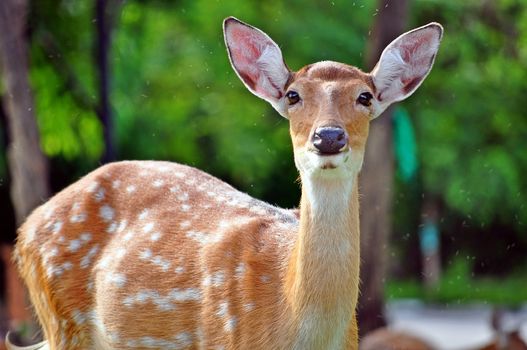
(405, 63)
(258, 61)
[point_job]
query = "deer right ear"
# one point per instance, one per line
(258, 62)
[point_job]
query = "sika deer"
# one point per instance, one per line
(155, 255)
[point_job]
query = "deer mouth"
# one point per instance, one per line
(331, 161)
(328, 166)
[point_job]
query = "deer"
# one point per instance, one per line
(158, 255)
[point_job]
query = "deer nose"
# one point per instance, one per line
(330, 139)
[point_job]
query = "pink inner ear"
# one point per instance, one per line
(418, 46)
(245, 51)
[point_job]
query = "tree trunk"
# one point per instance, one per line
(376, 180)
(28, 166)
(105, 11)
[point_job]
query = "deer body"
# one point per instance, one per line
(156, 255)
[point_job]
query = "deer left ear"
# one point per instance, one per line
(405, 63)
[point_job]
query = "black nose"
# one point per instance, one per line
(330, 139)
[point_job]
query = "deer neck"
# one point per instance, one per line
(323, 271)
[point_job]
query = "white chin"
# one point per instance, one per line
(313, 164)
(329, 162)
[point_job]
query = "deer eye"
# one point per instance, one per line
(292, 97)
(365, 99)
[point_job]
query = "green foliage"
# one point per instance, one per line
(69, 128)
(470, 113)
(459, 286)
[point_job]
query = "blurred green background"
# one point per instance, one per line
(174, 96)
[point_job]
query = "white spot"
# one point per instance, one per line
(218, 278)
(183, 197)
(100, 194)
(117, 279)
(230, 324)
(148, 227)
(184, 340)
(222, 309)
(121, 252)
(164, 303)
(59, 269)
(155, 236)
(179, 270)
(86, 260)
(86, 236)
(174, 189)
(79, 317)
(185, 224)
(49, 212)
(204, 238)
(122, 225)
(178, 174)
(239, 271)
(116, 184)
(112, 227)
(130, 188)
(30, 234)
(145, 254)
(156, 260)
(114, 337)
(265, 278)
(53, 251)
(105, 261)
(92, 187)
(206, 281)
(185, 207)
(248, 306)
(187, 294)
(106, 213)
(57, 226)
(158, 183)
(74, 245)
(143, 214)
(223, 224)
(128, 235)
(78, 218)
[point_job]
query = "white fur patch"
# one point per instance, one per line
(106, 213)
(87, 259)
